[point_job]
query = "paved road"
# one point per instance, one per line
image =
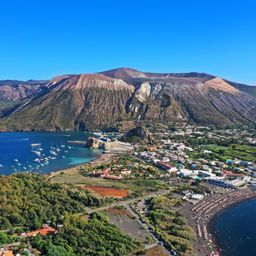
(148, 227)
(126, 202)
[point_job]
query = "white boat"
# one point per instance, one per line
(35, 144)
(98, 133)
(1, 165)
(53, 153)
(38, 153)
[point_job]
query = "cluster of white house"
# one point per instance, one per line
(213, 179)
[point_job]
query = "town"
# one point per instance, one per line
(188, 174)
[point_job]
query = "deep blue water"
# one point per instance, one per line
(53, 153)
(235, 229)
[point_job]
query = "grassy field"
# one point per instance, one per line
(136, 187)
(242, 152)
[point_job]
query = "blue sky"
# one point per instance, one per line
(44, 38)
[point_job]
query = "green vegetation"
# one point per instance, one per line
(5, 104)
(170, 225)
(29, 200)
(242, 152)
(141, 186)
(196, 186)
(143, 177)
(5, 238)
(97, 237)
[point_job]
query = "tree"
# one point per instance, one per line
(55, 250)
(4, 238)
(4, 222)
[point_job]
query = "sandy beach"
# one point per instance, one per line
(200, 215)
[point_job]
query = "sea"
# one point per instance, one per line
(42, 152)
(235, 229)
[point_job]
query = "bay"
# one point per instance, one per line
(42, 152)
(235, 229)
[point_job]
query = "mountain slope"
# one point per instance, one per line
(74, 102)
(114, 97)
(249, 89)
(12, 91)
(195, 97)
(17, 90)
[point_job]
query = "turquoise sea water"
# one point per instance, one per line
(52, 152)
(235, 229)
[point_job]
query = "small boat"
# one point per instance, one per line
(35, 144)
(16, 160)
(38, 153)
(1, 166)
(98, 133)
(53, 153)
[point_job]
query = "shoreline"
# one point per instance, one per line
(102, 158)
(201, 215)
(210, 225)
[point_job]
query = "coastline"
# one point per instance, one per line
(210, 223)
(201, 215)
(102, 158)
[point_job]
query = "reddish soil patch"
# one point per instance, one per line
(106, 191)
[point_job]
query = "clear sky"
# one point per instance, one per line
(40, 39)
